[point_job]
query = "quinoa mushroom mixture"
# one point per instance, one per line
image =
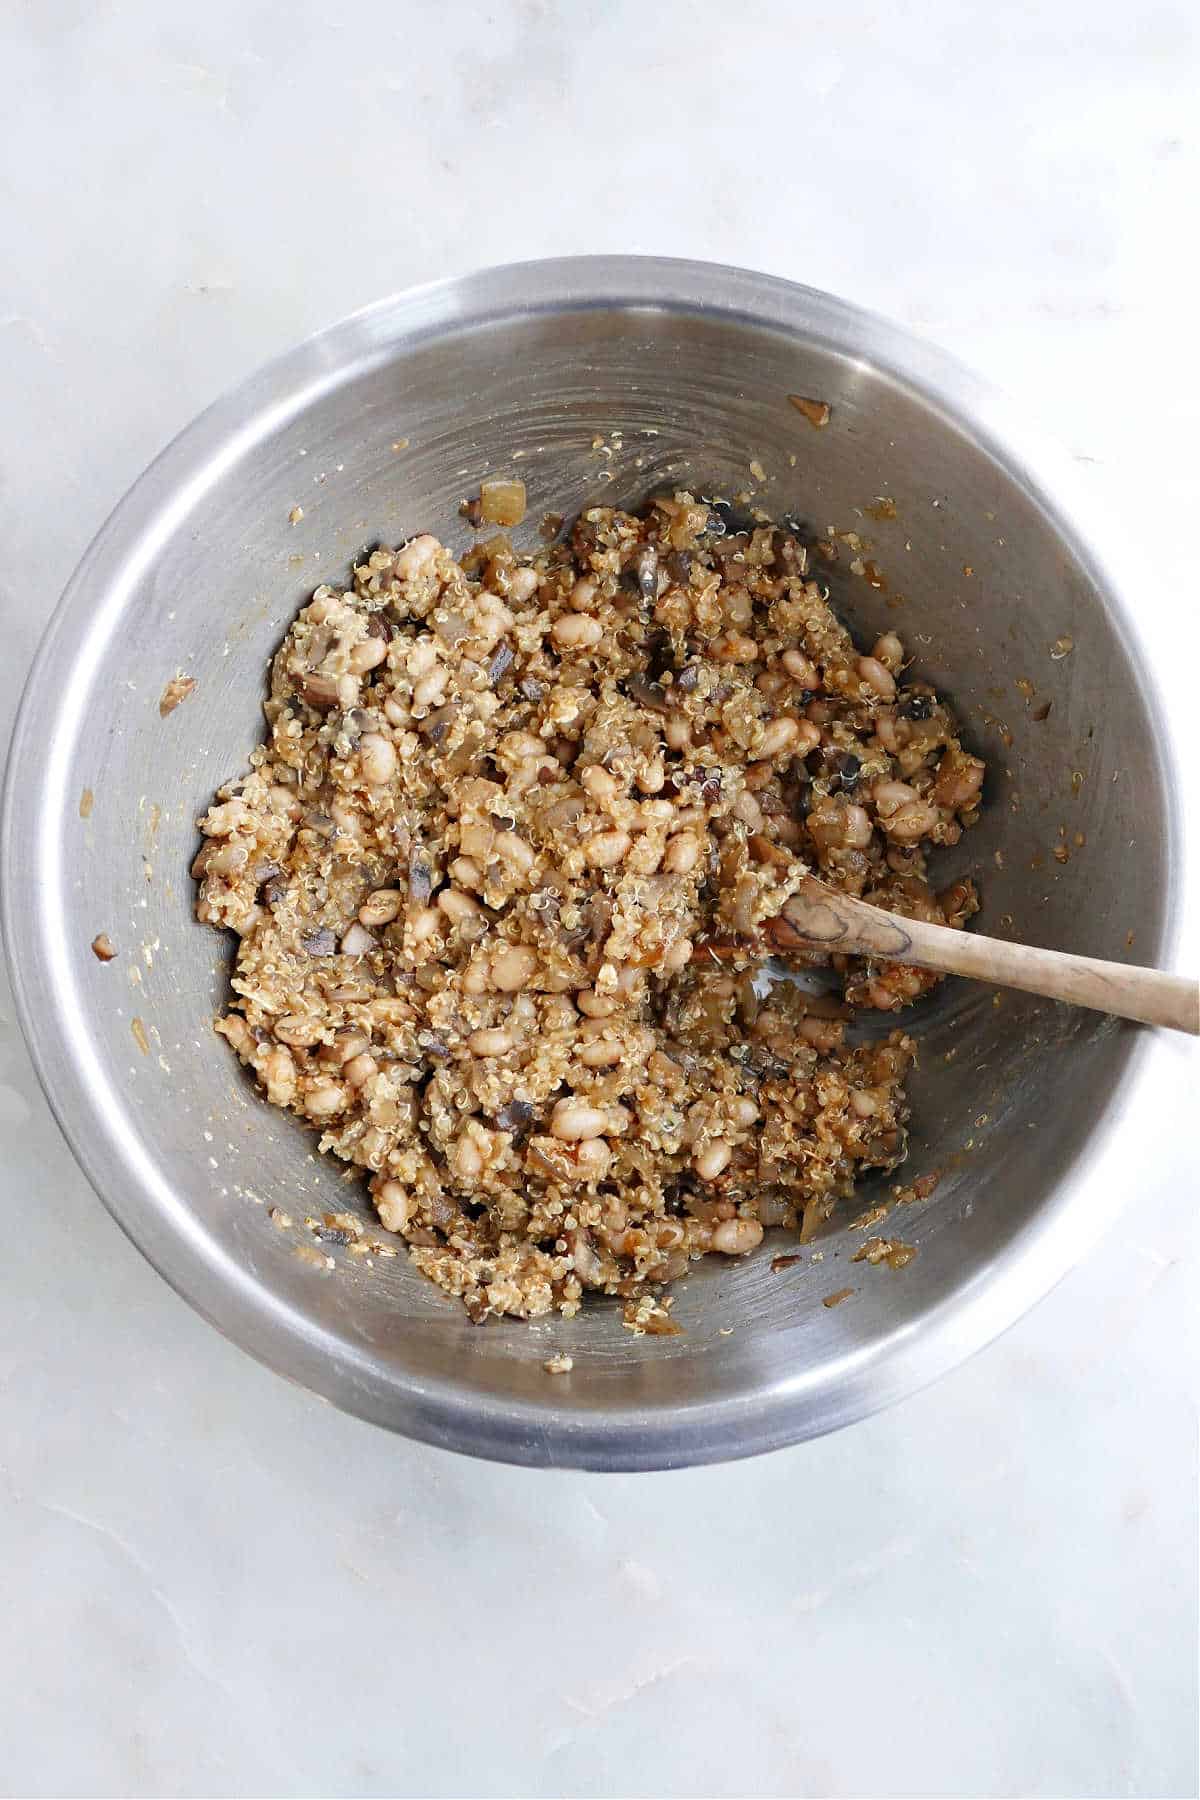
(505, 868)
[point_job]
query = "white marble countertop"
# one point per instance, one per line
(215, 1585)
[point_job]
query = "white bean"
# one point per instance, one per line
(607, 848)
(599, 783)
(885, 731)
(422, 657)
(677, 957)
(423, 922)
(911, 823)
(465, 871)
(457, 906)
(475, 978)
(468, 1158)
(596, 1006)
(823, 1034)
(737, 1237)
(593, 1158)
(368, 655)
(682, 854)
(377, 759)
(781, 737)
(512, 968)
(574, 1120)
(889, 651)
(226, 861)
(294, 1030)
(653, 776)
(514, 851)
(857, 831)
(394, 1206)
(713, 1159)
(357, 941)
(747, 809)
(417, 557)
(877, 677)
(381, 907)
(575, 631)
(522, 745)
(801, 669)
(890, 796)
(360, 1069)
(734, 647)
(321, 1102)
(279, 1075)
(523, 584)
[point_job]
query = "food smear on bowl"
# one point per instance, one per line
(175, 693)
(504, 871)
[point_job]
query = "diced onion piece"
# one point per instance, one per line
(502, 502)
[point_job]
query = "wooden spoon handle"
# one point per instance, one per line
(838, 922)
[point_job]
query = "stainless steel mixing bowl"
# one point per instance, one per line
(596, 380)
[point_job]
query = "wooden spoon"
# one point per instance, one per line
(827, 921)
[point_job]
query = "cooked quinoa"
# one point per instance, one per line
(505, 869)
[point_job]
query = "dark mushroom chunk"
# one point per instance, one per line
(353, 724)
(501, 663)
(842, 771)
(420, 878)
(515, 1116)
(915, 706)
(706, 781)
(650, 694)
(646, 567)
(321, 942)
(547, 902)
(437, 726)
(791, 555)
